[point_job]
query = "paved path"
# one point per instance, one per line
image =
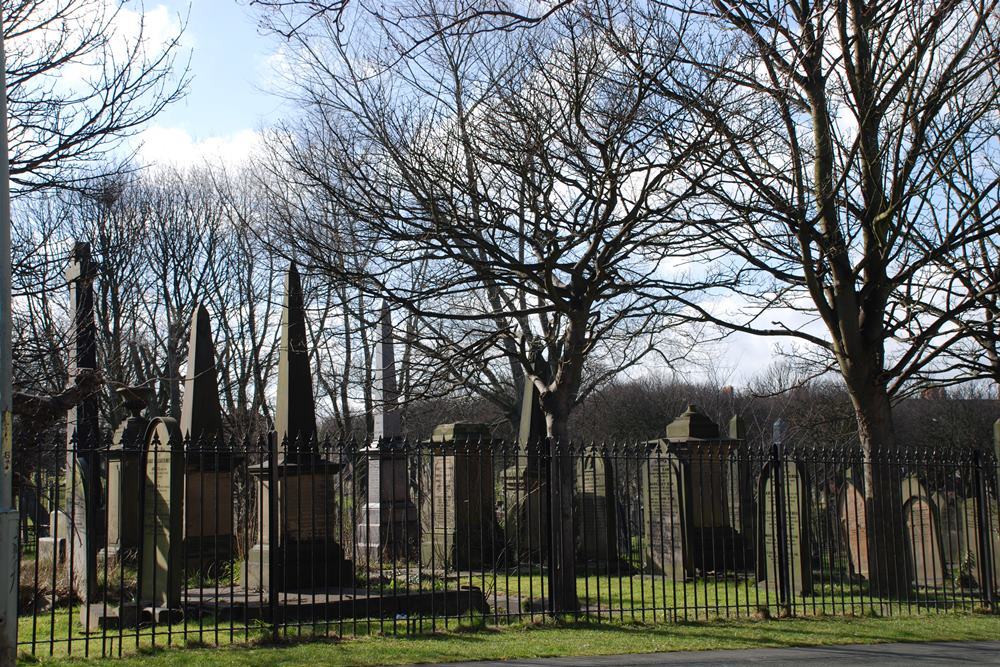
(884, 655)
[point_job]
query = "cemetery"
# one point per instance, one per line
(172, 525)
(458, 320)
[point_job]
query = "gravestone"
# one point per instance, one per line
(596, 516)
(390, 526)
(460, 528)
(208, 475)
(853, 514)
(663, 498)
(83, 460)
(923, 533)
(784, 524)
(306, 552)
(526, 513)
(161, 572)
(688, 494)
(54, 547)
(125, 475)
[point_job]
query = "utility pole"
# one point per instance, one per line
(8, 514)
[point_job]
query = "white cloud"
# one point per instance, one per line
(175, 146)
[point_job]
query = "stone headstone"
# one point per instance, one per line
(663, 498)
(460, 529)
(308, 553)
(161, 574)
(390, 526)
(702, 494)
(853, 515)
(125, 475)
(597, 527)
(208, 477)
(83, 462)
(784, 529)
(923, 532)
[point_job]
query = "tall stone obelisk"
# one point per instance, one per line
(208, 474)
(307, 550)
(390, 527)
(83, 464)
(295, 415)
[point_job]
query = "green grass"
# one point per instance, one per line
(574, 639)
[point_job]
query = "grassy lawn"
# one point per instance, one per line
(531, 641)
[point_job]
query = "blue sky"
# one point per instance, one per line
(230, 68)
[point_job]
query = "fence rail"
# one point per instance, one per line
(223, 542)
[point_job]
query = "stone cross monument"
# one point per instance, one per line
(390, 527)
(83, 464)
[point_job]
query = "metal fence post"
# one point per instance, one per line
(781, 516)
(984, 533)
(274, 548)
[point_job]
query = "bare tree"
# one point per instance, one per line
(78, 84)
(514, 192)
(831, 195)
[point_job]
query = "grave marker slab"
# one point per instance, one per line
(460, 529)
(784, 528)
(308, 551)
(853, 513)
(922, 521)
(162, 568)
(597, 531)
(208, 478)
(689, 495)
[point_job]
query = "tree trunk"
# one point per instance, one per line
(562, 565)
(888, 551)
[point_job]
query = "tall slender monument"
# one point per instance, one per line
(308, 549)
(83, 463)
(390, 528)
(208, 474)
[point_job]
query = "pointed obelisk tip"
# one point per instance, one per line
(201, 413)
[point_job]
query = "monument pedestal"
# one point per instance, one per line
(208, 510)
(390, 526)
(307, 551)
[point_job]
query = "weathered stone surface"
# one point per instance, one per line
(853, 515)
(307, 552)
(784, 528)
(923, 530)
(526, 514)
(162, 569)
(460, 529)
(665, 503)
(739, 483)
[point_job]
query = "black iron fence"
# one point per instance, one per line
(174, 542)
